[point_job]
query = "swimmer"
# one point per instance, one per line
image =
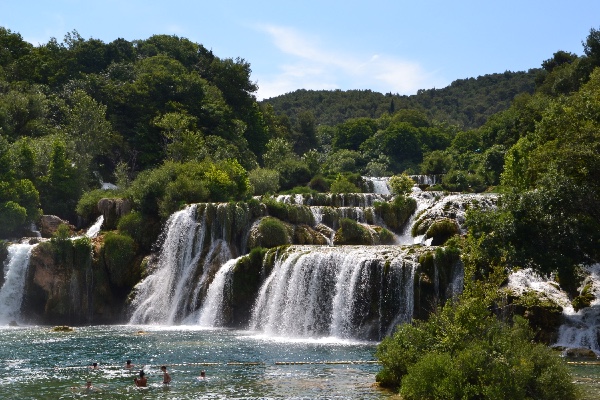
(87, 388)
(128, 364)
(142, 381)
(166, 376)
(202, 375)
(94, 366)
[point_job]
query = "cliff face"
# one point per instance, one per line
(58, 293)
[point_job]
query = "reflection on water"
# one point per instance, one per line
(38, 363)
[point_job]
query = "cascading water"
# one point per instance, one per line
(212, 310)
(580, 329)
(93, 230)
(333, 292)
(198, 240)
(15, 271)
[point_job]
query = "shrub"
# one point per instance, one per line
(87, 206)
(271, 233)
(144, 230)
(343, 185)
(320, 184)
(401, 184)
(119, 253)
(264, 181)
(464, 352)
(441, 230)
(351, 232)
(395, 214)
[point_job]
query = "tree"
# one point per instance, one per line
(352, 133)
(401, 184)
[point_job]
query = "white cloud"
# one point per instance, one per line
(309, 65)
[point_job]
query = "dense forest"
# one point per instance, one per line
(466, 103)
(169, 123)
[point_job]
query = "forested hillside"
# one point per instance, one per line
(467, 103)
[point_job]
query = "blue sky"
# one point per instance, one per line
(383, 45)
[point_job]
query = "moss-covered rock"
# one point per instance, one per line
(544, 315)
(352, 233)
(395, 213)
(441, 230)
(270, 232)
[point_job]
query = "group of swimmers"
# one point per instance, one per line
(141, 380)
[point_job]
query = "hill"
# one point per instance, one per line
(467, 103)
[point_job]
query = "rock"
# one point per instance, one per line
(580, 353)
(112, 210)
(62, 328)
(50, 223)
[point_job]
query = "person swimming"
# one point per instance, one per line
(142, 381)
(166, 376)
(128, 364)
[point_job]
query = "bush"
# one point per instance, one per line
(441, 230)
(144, 230)
(320, 184)
(343, 185)
(271, 233)
(352, 233)
(396, 213)
(87, 206)
(464, 352)
(401, 184)
(119, 253)
(264, 181)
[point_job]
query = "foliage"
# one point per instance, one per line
(343, 185)
(271, 233)
(118, 253)
(142, 229)
(441, 230)
(463, 352)
(401, 184)
(352, 233)
(465, 102)
(87, 206)
(395, 214)
(264, 181)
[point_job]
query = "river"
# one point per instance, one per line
(37, 363)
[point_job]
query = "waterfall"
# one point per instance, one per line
(15, 272)
(197, 241)
(212, 310)
(315, 292)
(380, 185)
(159, 295)
(581, 329)
(93, 230)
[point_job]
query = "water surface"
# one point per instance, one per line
(36, 363)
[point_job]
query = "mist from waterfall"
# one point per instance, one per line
(15, 272)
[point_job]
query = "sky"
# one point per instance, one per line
(383, 45)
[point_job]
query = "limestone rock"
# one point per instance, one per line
(112, 210)
(50, 223)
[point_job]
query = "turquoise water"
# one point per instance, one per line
(36, 363)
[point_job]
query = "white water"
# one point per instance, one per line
(159, 295)
(93, 230)
(211, 312)
(380, 185)
(580, 328)
(15, 272)
(330, 291)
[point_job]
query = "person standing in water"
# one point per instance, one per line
(166, 376)
(142, 381)
(128, 364)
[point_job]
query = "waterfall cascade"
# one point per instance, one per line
(11, 292)
(580, 329)
(344, 292)
(304, 291)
